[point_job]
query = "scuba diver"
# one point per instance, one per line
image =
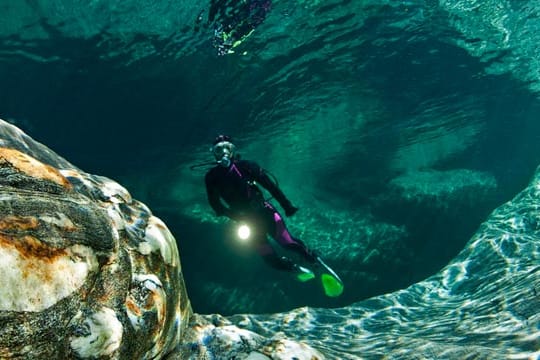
(233, 191)
(234, 21)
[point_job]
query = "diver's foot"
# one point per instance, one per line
(304, 274)
(312, 257)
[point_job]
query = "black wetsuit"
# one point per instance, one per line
(236, 185)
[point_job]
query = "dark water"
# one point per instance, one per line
(396, 127)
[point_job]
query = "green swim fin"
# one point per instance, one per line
(303, 274)
(332, 287)
(332, 284)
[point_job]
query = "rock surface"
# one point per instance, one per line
(215, 337)
(87, 271)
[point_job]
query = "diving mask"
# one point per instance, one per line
(224, 153)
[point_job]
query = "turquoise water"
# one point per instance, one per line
(483, 305)
(396, 127)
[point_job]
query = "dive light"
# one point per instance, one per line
(243, 232)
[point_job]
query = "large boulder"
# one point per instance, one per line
(87, 271)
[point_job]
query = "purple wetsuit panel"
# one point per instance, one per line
(278, 231)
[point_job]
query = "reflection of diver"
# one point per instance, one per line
(235, 20)
(236, 182)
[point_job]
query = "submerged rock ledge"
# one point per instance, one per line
(89, 272)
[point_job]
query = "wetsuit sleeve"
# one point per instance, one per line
(214, 199)
(261, 177)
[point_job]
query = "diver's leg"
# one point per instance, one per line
(284, 238)
(260, 241)
(283, 263)
(278, 262)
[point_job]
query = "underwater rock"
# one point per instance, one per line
(215, 337)
(87, 271)
(443, 189)
(446, 196)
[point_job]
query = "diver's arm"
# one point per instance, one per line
(215, 201)
(262, 178)
(219, 208)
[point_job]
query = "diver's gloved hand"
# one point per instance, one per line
(291, 210)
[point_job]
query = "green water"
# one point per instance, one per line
(396, 127)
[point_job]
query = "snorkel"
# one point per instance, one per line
(225, 161)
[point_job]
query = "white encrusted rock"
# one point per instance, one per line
(219, 339)
(103, 337)
(87, 271)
